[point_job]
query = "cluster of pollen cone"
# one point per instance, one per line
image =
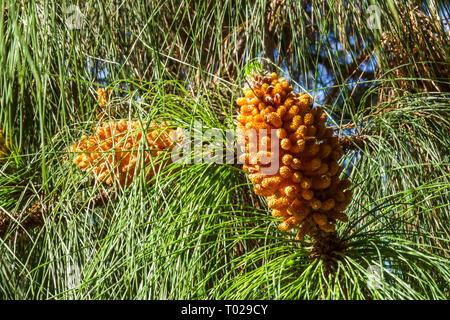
(305, 189)
(119, 150)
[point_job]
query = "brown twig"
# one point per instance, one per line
(354, 142)
(28, 219)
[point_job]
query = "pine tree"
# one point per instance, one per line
(196, 229)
